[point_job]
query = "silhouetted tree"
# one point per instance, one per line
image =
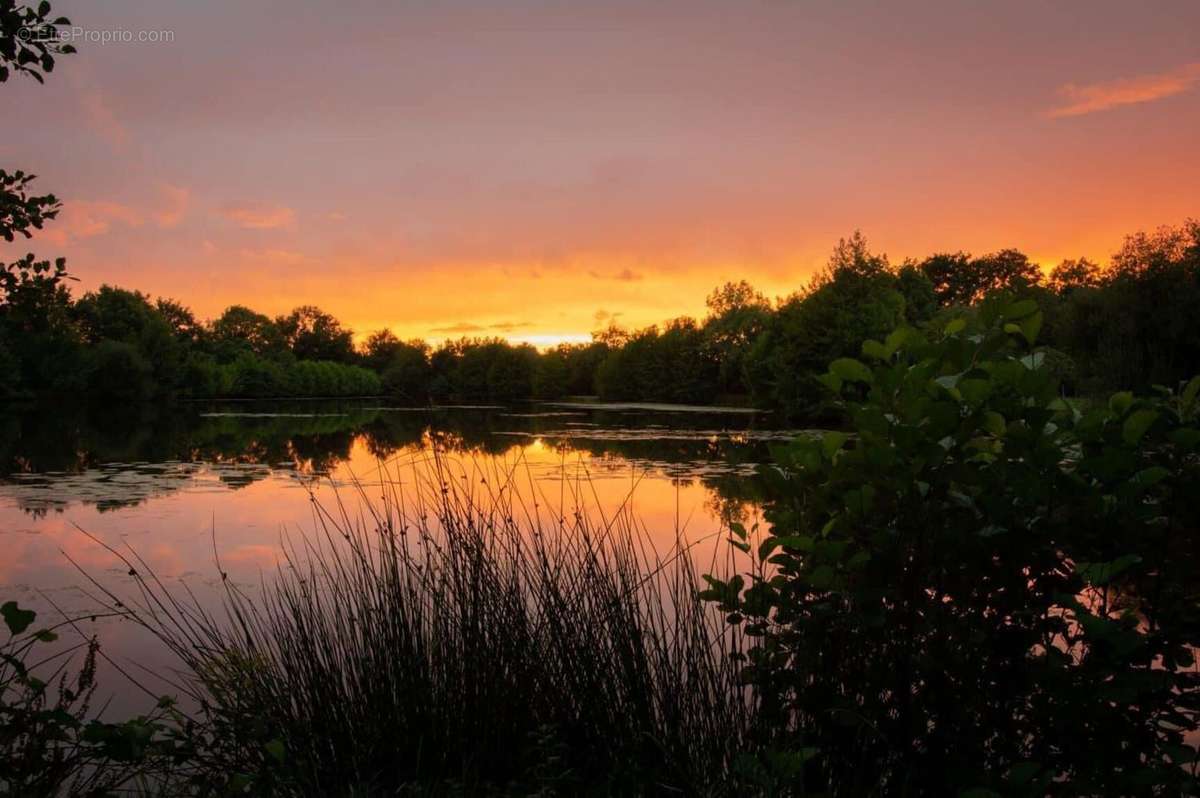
(34, 340)
(313, 334)
(737, 315)
(959, 279)
(408, 374)
(852, 299)
(920, 298)
(240, 330)
(1072, 274)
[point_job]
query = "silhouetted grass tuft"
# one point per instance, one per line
(459, 629)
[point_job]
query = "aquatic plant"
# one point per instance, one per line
(462, 628)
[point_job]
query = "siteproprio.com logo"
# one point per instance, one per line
(77, 34)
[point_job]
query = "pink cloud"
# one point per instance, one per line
(85, 219)
(97, 111)
(1089, 98)
(257, 216)
(174, 205)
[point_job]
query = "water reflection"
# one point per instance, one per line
(118, 457)
(182, 487)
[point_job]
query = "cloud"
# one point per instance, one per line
(257, 216)
(625, 276)
(458, 329)
(602, 315)
(98, 114)
(273, 256)
(85, 219)
(174, 205)
(509, 326)
(1092, 97)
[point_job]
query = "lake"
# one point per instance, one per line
(183, 486)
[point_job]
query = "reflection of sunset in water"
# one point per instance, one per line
(242, 514)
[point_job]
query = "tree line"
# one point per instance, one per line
(1126, 326)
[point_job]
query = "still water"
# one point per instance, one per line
(184, 487)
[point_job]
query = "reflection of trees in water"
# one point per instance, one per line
(243, 444)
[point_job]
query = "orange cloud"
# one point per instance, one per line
(272, 256)
(602, 315)
(174, 205)
(625, 276)
(458, 329)
(85, 219)
(257, 216)
(1092, 97)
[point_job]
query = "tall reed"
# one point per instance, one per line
(454, 625)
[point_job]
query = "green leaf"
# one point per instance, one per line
(975, 390)
(799, 542)
(1031, 326)
(1120, 402)
(851, 370)
(822, 577)
(1190, 392)
(994, 423)
(874, 350)
(1101, 573)
(956, 326)
(831, 381)
(859, 500)
(898, 338)
(276, 749)
(1136, 425)
(1186, 437)
(1021, 309)
(948, 381)
(46, 636)
(17, 619)
(832, 442)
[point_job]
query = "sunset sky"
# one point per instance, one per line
(534, 169)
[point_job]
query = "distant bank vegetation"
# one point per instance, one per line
(1127, 326)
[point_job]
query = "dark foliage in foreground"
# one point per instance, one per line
(980, 589)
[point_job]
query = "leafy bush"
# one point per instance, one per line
(204, 378)
(254, 377)
(977, 587)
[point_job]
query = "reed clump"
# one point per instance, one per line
(458, 629)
